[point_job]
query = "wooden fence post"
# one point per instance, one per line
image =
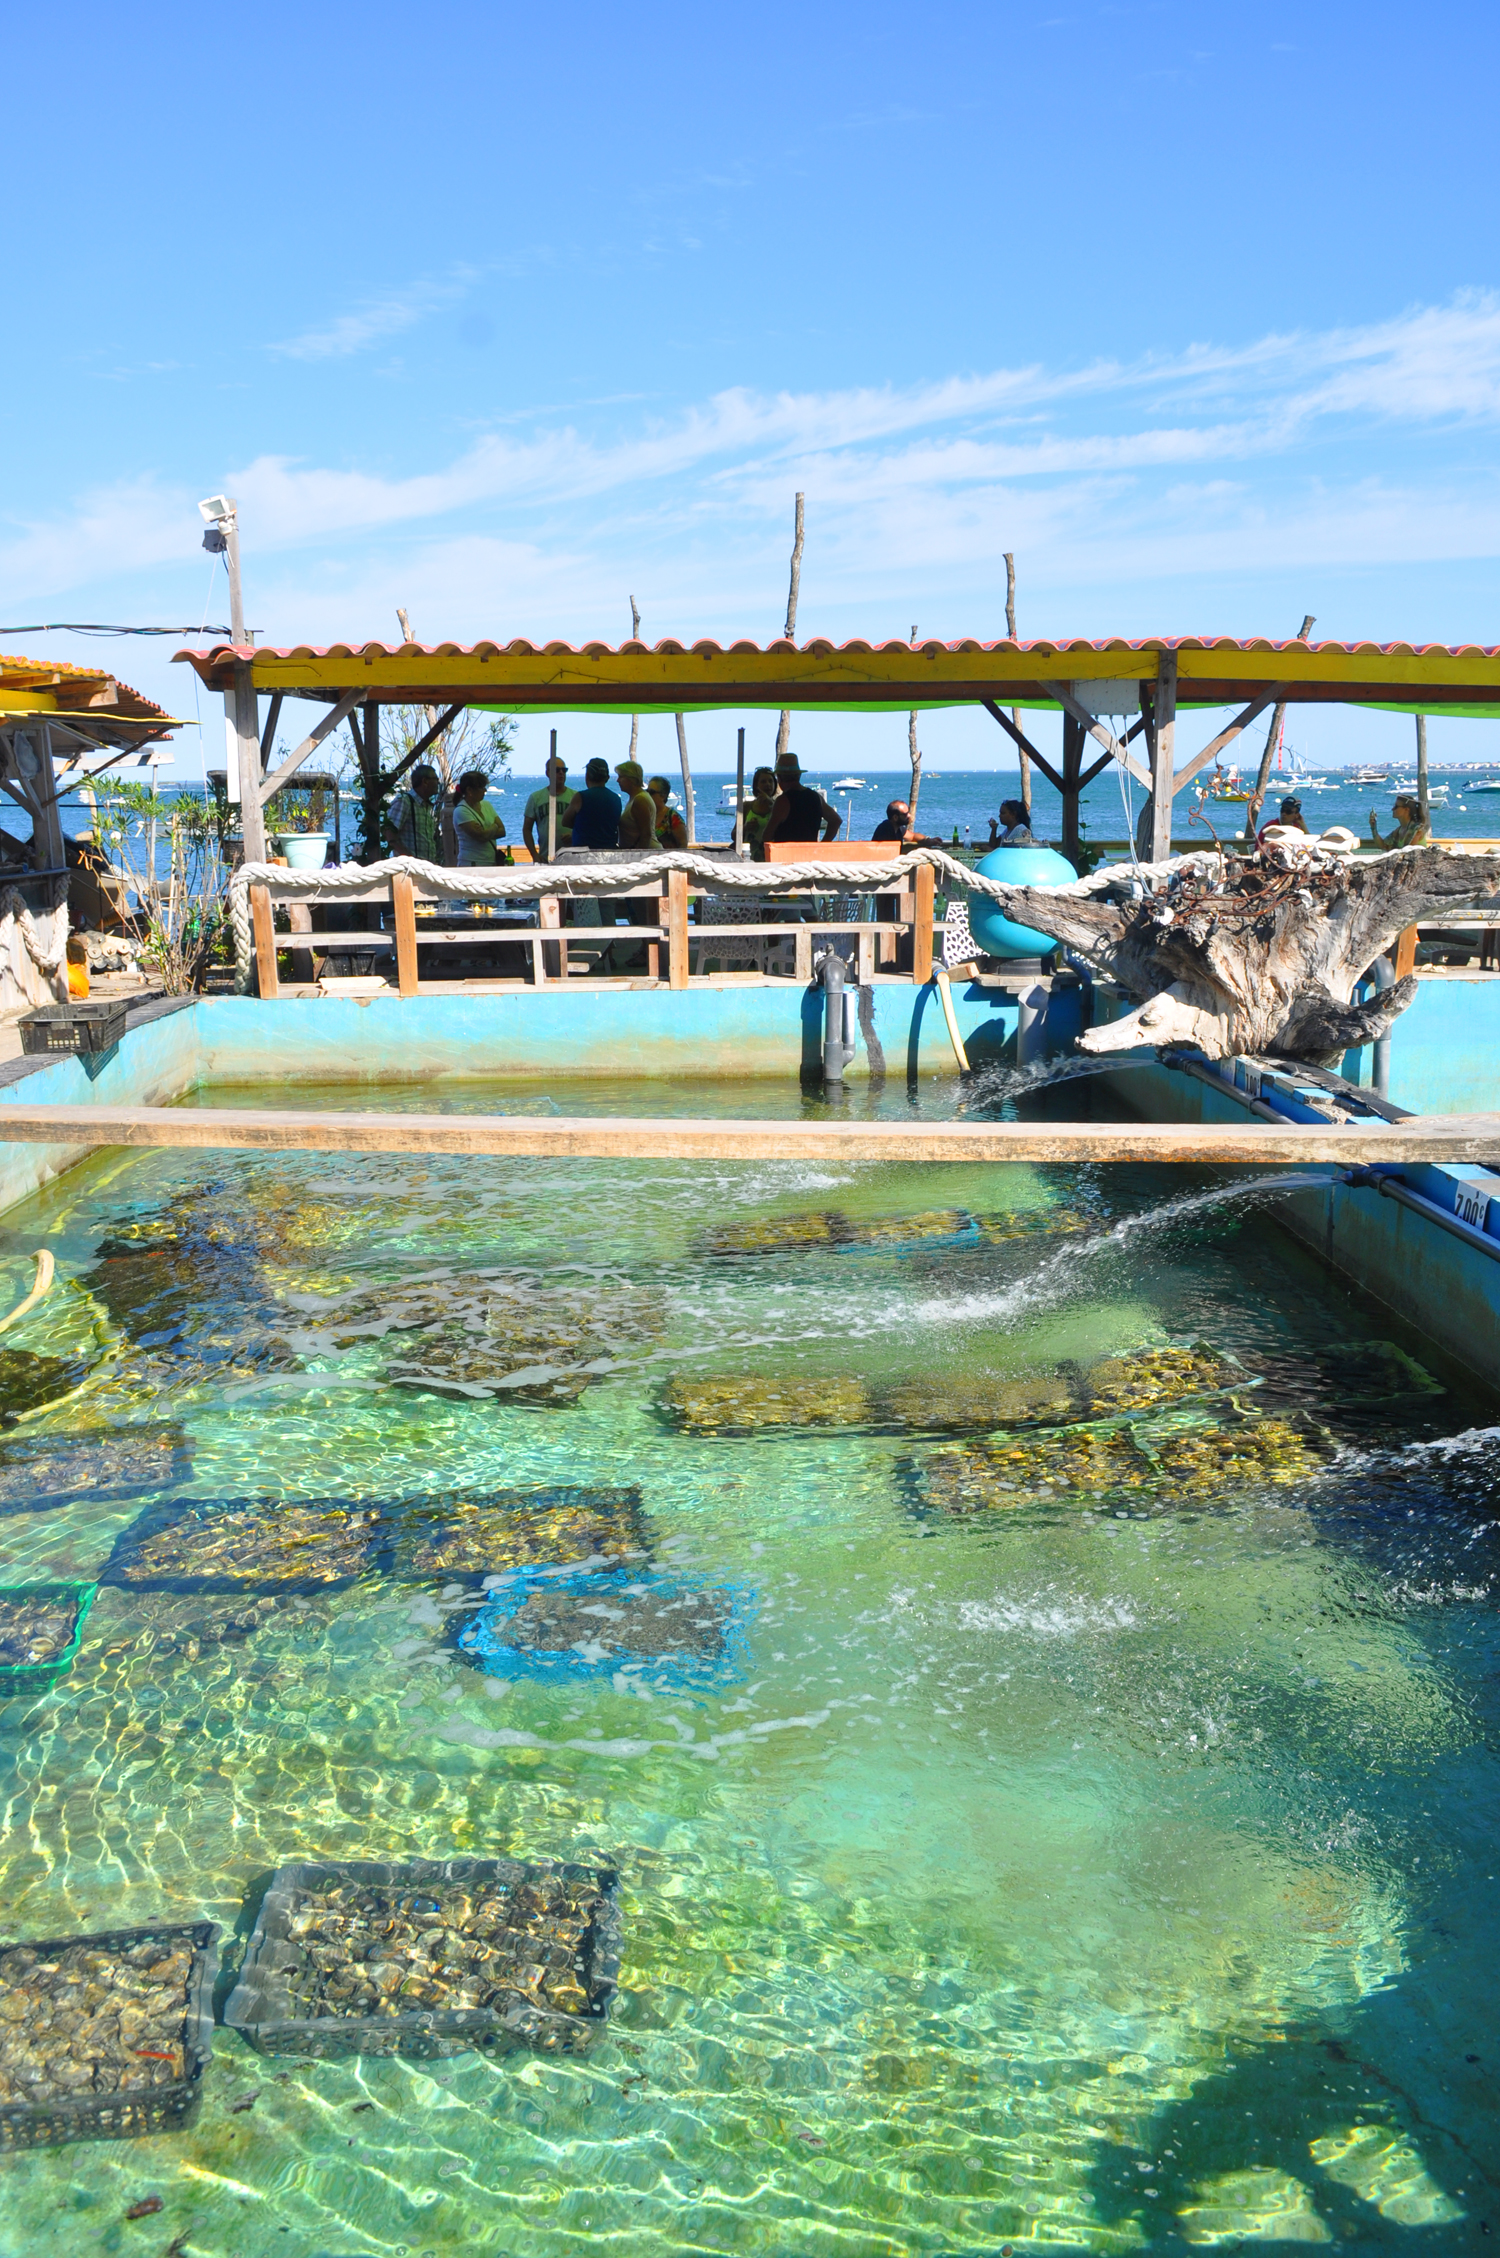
(549, 917)
(865, 948)
(265, 943)
(677, 929)
(923, 890)
(1404, 954)
(405, 920)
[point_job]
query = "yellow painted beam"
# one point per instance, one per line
(675, 677)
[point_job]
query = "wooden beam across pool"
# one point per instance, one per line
(1452, 1138)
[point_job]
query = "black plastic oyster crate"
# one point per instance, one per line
(73, 1027)
(37, 1471)
(489, 1532)
(134, 2110)
(260, 2007)
(126, 1570)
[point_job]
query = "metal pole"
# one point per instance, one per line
(552, 801)
(739, 797)
(246, 705)
(1422, 767)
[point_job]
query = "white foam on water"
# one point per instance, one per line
(1050, 1618)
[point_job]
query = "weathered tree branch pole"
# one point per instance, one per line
(784, 732)
(1266, 956)
(914, 752)
(1015, 711)
(1257, 798)
(635, 719)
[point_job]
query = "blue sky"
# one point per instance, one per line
(506, 315)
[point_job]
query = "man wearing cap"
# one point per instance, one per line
(1290, 819)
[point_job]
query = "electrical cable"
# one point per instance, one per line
(93, 627)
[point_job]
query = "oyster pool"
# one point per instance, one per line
(1024, 1640)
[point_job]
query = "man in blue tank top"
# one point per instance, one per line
(595, 813)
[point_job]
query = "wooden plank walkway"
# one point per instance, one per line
(1450, 1138)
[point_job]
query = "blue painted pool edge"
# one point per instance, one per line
(1447, 1289)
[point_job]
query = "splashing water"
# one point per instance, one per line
(1045, 1874)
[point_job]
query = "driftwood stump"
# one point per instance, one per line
(1261, 952)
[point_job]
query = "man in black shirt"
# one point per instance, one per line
(800, 815)
(897, 826)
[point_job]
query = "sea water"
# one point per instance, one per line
(1111, 1870)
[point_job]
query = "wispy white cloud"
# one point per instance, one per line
(377, 319)
(1218, 459)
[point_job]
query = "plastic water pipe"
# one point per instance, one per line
(1380, 1074)
(1031, 1008)
(945, 992)
(838, 1042)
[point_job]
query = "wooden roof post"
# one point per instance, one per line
(368, 746)
(1162, 778)
(247, 754)
(1072, 764)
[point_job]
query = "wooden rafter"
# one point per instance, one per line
(1113, 748)
(309, 744)
(1226, 736)
(998, 713)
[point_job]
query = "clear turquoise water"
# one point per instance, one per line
(1109, 1874)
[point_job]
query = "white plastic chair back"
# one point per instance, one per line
(958, 941)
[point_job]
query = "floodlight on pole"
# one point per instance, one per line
(220, 515)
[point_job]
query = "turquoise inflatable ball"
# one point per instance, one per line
(996, 935)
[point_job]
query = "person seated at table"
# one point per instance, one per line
(535, 817)
(1412, 828)
(1013, 827)
(1290, 819)
(898, 826)
(411, 820)
(476, 825)
(638, 823)
(594, 817)
(757, 810)
(800, 814)
(671, 831)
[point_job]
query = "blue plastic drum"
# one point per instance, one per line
(993, 932)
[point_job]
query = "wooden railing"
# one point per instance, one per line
(549, 941)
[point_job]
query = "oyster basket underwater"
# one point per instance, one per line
(231, 1546)
(260, 2005)
(135, 2110)
(36, 1677)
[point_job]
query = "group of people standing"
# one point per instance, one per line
(462, 829)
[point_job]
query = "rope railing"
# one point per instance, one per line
(575, 881)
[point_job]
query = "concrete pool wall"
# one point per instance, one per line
(1428, 1245)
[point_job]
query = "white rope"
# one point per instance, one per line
(577, 881)
(48, 961)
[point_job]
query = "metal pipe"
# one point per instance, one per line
(837, 1047)
(1390, 1187)
(1380, 1072)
